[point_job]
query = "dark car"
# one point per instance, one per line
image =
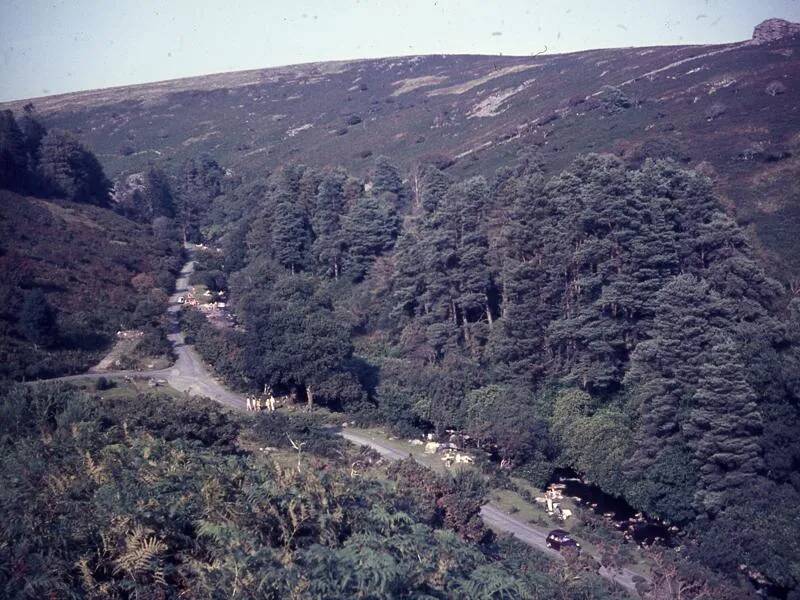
(558, 539)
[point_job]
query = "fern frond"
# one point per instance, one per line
(142, 555)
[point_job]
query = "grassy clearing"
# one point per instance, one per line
(126, 389)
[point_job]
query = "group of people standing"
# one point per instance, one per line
(265, 401)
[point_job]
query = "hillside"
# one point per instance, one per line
(575, 267)
(98, 271)
(732, 110)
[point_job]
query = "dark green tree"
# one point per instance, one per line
(158, 195)
(294, 338)
(370, 229)
(37, 319)
(14, 172)
(430, 186)
(619, 249)
(449, 270)
(71, 171)
(501, 419)
(529, 285)
(386, 179)
(326, 221)
(199, 181)
(152, 199)
(724, 430)
(291, 232)
(34, 133)
(664, 377)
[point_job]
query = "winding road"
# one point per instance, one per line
(496, 518)
(189, 374)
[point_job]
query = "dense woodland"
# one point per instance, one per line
(610, 319)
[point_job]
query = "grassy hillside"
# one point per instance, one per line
(99, 272)
(731, 109)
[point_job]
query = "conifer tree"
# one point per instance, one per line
(200, 181)
(34, 132)
(291, 233)
(69, 170)
(13, 157)
(664, 376)
(37, 319)
(158, 194)
(326, 222)
(386, 179)
(432, 184)
(723, 429)
(370, 229)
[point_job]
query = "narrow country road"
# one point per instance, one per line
(496, 518)
(189, 374)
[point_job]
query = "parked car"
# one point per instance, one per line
(558, 539)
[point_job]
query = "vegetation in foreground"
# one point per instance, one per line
(148, 496)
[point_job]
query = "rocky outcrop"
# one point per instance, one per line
(774, 29)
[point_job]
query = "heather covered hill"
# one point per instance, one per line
(94, 271)
(731, 110)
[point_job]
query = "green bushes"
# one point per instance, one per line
(103, 384)
(279, 430)
(214, 280)
(154, 342)
(152, 497)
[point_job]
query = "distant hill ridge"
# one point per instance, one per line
(730, 110)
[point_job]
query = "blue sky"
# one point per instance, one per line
(50, 47)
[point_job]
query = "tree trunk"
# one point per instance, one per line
(489, 314)
(309, 396)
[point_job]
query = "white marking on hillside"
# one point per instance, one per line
(720, 84)
(460, 88)
(294, 131)
(677, 63)
(200, 138)
(407, 85)
(491, 105)
(475, 149)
